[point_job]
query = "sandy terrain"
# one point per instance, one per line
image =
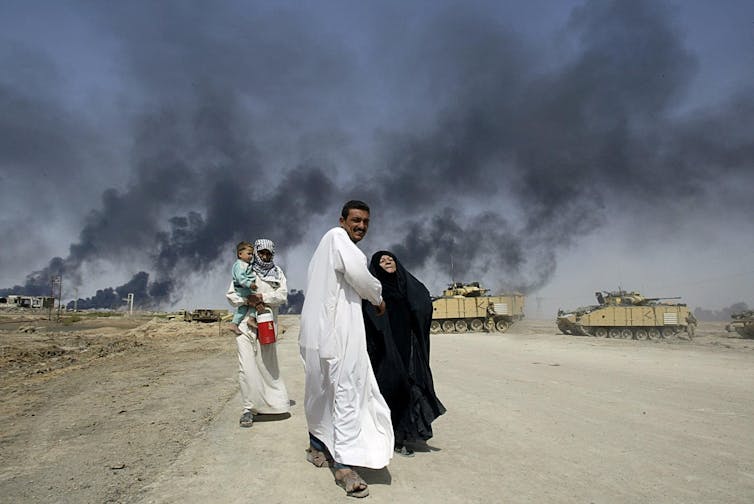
(146, 410)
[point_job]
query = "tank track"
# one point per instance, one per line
(499, 324)
(637, 333)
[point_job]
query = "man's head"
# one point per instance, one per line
(265, 249)
(354, 218)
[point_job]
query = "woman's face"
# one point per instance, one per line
(387, 263)
(265, 255)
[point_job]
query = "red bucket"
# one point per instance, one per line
(265, 328)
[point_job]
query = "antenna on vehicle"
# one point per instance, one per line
(452, 274)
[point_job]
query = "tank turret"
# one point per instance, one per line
(471, 289)
(626, 298)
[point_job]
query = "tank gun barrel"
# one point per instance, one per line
(659, 298)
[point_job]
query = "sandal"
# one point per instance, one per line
(318, 458)
(351, 482)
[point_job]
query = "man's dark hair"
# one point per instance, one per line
(355, 204)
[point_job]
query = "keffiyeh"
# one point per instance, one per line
(265, 269)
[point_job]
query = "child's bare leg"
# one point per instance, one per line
(251, 320)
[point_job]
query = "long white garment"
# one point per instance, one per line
(343, 404)
(262, 387)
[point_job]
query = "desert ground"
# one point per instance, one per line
(142, 409)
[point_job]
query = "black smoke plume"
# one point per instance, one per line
(560, 145)
(115, 298)
(495, 159)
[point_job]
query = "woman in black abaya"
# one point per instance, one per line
(398, 345)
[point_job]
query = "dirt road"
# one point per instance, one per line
(533, 416)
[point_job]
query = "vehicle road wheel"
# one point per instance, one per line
(490, 324)
(641, 334)
(434, 327)
(448, 326)
(501, 325)
(477, 325)
(627, 333)
(614, 332)
(461, 326)
(653, 333)
(667, 332)
(600, 332)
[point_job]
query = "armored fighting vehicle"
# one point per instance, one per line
(204, 315)
(623, 314)
(466, 306)
(742, 323)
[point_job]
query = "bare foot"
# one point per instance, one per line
(318, 458)
(351, 482)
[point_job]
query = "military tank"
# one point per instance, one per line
(742, 323)
(624, 314)
(467, 307)
(204, 315)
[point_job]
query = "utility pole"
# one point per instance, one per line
(60, 295)
(54, 280)
(130, 302)
(52, 295)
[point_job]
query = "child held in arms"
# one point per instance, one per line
(243, 283)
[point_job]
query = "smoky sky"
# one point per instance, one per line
(487, 153)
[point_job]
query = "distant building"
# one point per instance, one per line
(16, 301)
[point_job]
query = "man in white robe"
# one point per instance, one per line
(348, 419)
(262, 388)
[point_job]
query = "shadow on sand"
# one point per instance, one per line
(272, 417)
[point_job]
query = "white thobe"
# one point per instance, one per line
(343, 404)
(262, 387)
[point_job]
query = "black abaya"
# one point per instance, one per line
(398, 346)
